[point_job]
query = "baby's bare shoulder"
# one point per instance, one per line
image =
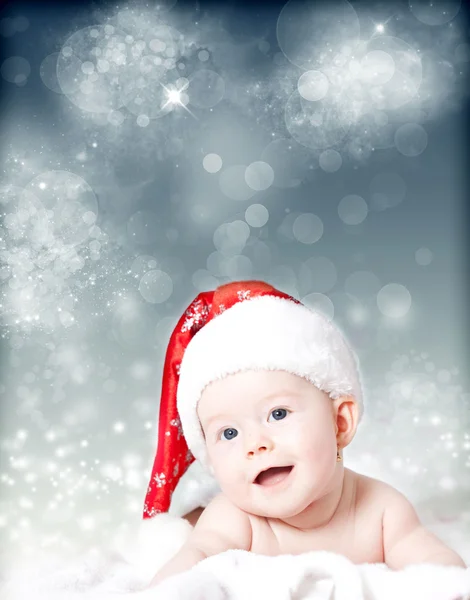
(375, 492)
(371, 491)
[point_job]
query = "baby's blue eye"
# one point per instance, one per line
(234, 431)
(280, 413)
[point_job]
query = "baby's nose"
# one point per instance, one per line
(259, 447)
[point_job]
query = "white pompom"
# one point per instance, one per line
(196, 488)
(154, 542)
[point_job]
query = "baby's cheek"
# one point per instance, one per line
(316, 445)
(224, 463)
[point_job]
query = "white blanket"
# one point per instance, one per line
(129, 567)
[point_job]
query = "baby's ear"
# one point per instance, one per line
(346, 419)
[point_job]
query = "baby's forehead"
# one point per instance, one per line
(257, 383)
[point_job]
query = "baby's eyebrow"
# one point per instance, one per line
(262, 401)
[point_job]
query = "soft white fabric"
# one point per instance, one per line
(128, 567)
(269, 333)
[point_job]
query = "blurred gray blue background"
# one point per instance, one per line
(151, 151)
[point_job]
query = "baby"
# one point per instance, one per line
(269, 395)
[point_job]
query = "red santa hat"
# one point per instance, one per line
(240, 326)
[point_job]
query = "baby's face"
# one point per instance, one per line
(258, 419)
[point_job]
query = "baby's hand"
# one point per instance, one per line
(222, 526)
(406, 541)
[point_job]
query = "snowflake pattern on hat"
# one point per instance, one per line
(196, 316)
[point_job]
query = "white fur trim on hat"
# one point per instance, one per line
(266, 332)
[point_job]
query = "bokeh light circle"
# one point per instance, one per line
(394, 300)
(423, 257)
(307, 228)
(156, 286)
(116, 118)
(256, 215)
(212, 163)
(330, 160)
(259, 175)
(16, 69)
(313, 85)
(411, 139)
(142, 120)
(352, 209)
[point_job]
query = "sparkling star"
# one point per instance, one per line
(173, 96)
(381, 26)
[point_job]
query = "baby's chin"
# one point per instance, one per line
(283, 510)
(280, 507)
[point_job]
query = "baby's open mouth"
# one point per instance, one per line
(273, 475)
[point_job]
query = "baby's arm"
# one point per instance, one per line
(222, 526)
(406, 541)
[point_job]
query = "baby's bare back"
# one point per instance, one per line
(355, 531)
